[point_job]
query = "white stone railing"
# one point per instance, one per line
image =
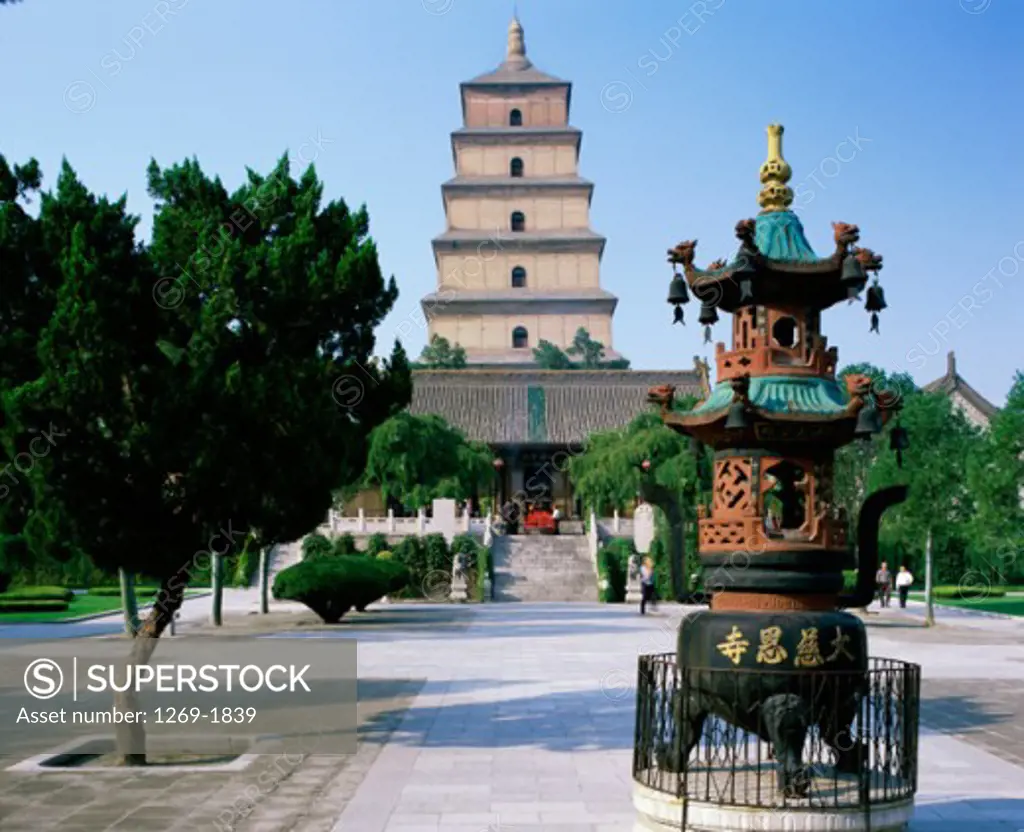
(614, 526)
(419, 525)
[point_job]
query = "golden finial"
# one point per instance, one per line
(776, 195)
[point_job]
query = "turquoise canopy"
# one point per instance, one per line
(780, 236)
(782, 394)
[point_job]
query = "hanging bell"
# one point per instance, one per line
(677, 295)
(708, 316)
(869, 422)
(899, 441)
(737, 418)
(677, 290)
(875, 303)
(853, 276)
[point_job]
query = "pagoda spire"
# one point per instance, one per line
(515, 57)
(775, 194)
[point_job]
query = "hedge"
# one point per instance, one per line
(34, 605)
(331, 587)
(345, 544)
(39, 593)
(109, 591)
(316, 546)
(377, 543)
(968, 592)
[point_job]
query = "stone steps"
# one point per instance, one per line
(543, 568)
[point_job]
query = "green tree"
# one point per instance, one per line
(995, 475)
(586, 350)
(550, 357)
(939, 502)
(590, 354)
(439, 354)
(215, 381)
(610, 473)
(853, 462)
(415, 459)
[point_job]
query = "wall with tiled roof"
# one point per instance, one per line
(538, 406)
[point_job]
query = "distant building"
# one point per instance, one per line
(976, 408)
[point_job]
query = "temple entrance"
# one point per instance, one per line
(538, 480)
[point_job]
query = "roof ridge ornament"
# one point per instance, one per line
(775, 194)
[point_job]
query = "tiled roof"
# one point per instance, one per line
(953, 382)
(540, 406)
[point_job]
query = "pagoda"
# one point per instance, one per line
(777, 673)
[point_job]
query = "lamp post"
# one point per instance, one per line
(499, 464)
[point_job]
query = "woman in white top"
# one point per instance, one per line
(904, 580)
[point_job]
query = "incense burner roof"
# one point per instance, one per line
(809, 396)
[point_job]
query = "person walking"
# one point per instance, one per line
(904, 580)
(883, 584)
(647, 586)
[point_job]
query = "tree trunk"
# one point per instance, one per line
(129, 603)
(929, 567)
(131, 737)
(668, 501)
(264, 579)
(217, 585)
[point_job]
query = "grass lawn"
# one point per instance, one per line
(81, 605)
(1006, 605)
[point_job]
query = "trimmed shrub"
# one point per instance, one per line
(411, 553)
(968, 593)
(316, 546)
(39, 593)
(377, 543)
(32, 605)
(331, 587)
(439, 556)
(385, 555)
(345, 545)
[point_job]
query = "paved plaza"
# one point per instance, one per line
(519, 717)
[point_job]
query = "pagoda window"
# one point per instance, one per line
(515, 168)
(518, 221)
(785, 332)
(515, 118)
(518, 278)
(520, 338)
(785, 500)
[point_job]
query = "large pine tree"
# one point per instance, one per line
(217, 381)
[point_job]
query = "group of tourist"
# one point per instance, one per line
(884, 582)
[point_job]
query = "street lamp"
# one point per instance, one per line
(499, 464)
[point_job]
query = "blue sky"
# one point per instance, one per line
(904, 118)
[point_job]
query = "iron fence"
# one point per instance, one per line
(763, 739)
